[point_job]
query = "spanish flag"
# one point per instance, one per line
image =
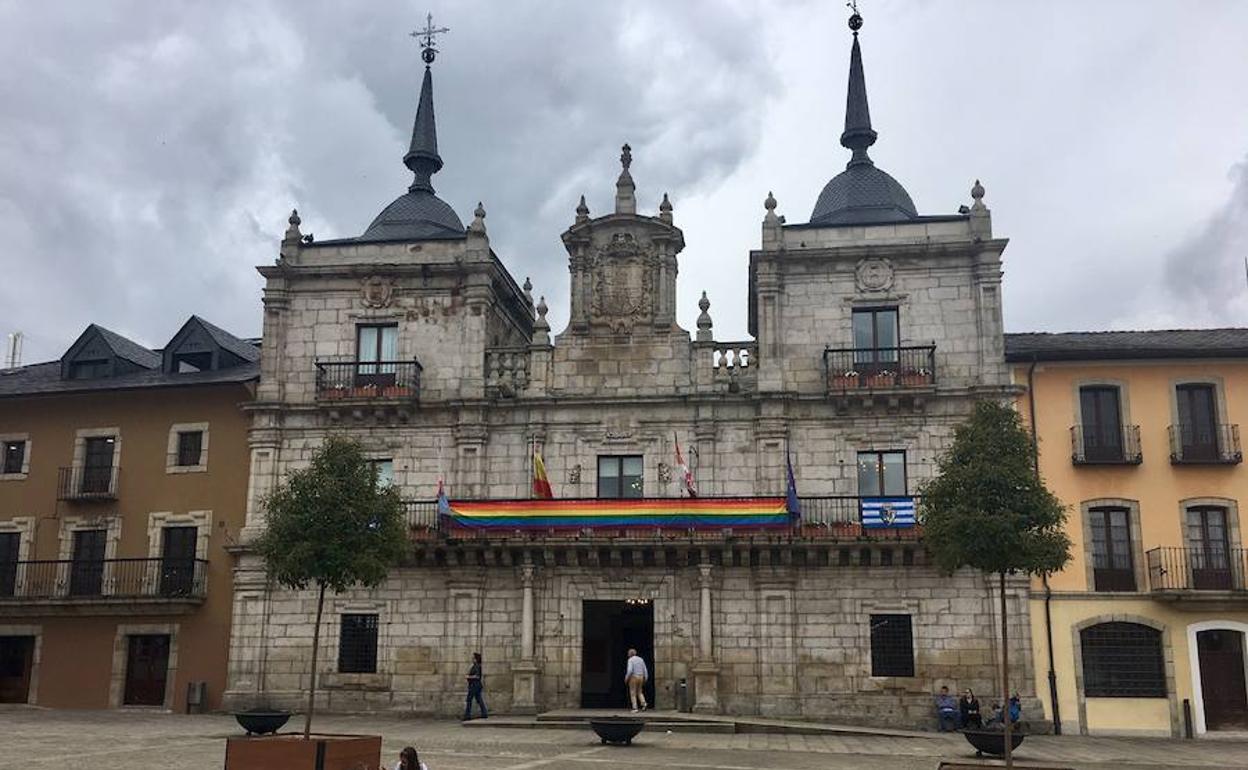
(541, 484)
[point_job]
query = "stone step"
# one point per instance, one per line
(652, 725)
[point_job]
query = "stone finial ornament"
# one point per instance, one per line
(665, 210)
(582, 211)
(528, 291)
(541, 327)
(625, 190)
(478, 220)
(292, 232)
(977, 192)
(704, 319)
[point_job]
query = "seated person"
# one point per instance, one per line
(946, 711)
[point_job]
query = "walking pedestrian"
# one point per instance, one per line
(635, 676)
(475, 687)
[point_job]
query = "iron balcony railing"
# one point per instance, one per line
(1105, 445)
(87, 483)
(838, 517)
(1197, 569)
(91, 580)
(850, 369)
(368, 380)
(1214, 445)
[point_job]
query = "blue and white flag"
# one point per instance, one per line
(887, 512)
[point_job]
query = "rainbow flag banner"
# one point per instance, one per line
(670, 513)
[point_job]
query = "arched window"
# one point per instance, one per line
(1122, 660)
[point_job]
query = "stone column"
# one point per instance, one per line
(524, 672)
(705, 672)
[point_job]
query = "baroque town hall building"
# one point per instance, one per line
(875, 328)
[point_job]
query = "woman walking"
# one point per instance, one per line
(475, 687)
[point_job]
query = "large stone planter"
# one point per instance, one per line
(291, 752)
(617, 730)
(261, 721)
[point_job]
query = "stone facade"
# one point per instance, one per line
(771, 623)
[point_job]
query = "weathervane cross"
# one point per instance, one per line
(426, 36)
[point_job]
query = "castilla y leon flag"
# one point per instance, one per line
(541, 484)
(685, 473)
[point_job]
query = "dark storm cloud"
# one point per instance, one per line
(149, 153)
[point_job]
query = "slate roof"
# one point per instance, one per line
(128, 349)
(1095, 346)
(45, 378)
(416, 215)
(239, 347)
(863, 194)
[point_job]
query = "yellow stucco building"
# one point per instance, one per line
(1138, 434)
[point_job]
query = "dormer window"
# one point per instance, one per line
(192, 362)
(90, 370)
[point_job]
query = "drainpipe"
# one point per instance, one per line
(1048, 592)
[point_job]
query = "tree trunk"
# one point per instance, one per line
(1005, 678)
(316, 642)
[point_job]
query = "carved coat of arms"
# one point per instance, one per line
(623, 284)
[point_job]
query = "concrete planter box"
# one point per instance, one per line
(292, 752)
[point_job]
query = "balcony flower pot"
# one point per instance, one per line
(914, 377)
(882, 380)
(291, 752)
(845, 381)
(364, 391)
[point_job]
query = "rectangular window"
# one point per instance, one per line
(357, 644)
(882, 474)
(1113, 566)
(10, 549)
(1209, 546)
(892, 646)
(177, 560)
(385, 472)
(97, 465)
(14, 459)
(184, 363)
(1101, 414)
(190, 447)
(89, 370)
(86, 572)
(1198, 422)
(377, 349)
(619, 476)
(876, 336)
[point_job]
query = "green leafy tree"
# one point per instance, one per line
(988, 509)
(333, 526)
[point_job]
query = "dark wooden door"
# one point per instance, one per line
(17, 656)
(1209, 546)
(1102, 424)
(10, 542)
(97, 465)
(1198, 422)
(86, 571)
(177, 561)
(1222, 679)
(147, 670)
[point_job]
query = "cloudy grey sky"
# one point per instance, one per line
(151, 151)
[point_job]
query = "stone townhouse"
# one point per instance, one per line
(874, 329)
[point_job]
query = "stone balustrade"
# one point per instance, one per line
(506, 371)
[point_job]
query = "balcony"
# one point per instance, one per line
(104, 586)
(880, 369)
(1215, 445)
(87, 483)
(362, 382)
(1100, 445)
(1195, 575)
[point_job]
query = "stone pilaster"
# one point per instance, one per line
(525, 673)
(705, 671)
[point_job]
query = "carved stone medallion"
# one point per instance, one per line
(874, 274)
(377, 292)
(622, 284)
